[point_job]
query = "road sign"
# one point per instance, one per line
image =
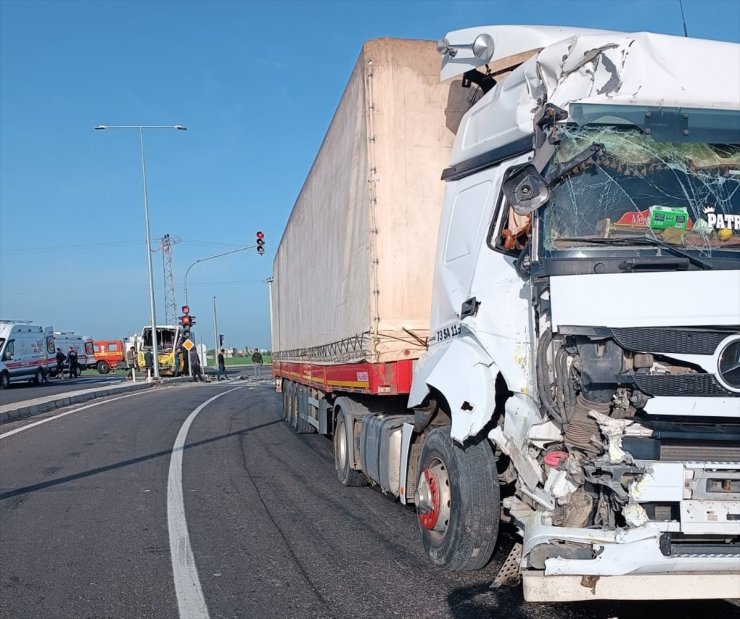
(187, 345)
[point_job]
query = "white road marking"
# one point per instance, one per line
(190, 600)
(76, 410)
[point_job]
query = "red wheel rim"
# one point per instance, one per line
(430, 514)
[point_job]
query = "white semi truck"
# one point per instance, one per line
(577, 349)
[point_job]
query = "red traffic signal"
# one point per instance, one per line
(186, 309)
(260, 243)
(186, 321)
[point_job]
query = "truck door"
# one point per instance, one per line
(463, 234)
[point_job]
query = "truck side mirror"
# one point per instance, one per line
(525, 189)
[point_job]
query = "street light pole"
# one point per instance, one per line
(226, 253)
(215, 335)
(269, 282)
(152, 311)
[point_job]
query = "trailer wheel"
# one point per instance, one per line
(103, 367)
(342, 442)
(458, 502)
(293, 420)
(286, 400)
(4, 380)
(301, 425)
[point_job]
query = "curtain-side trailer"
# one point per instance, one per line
(353, 272)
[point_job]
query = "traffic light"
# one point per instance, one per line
(260, 243)
(221, 340)
(186, 321)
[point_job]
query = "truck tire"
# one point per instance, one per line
(342, 443)
(293, 406)
(286, 400)
(4, 380)
(302, 425)
(38, 377)
(458, 502)
(103, 367)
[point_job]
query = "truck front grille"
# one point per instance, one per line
(676, 341)
(705, 385)
(699, 453)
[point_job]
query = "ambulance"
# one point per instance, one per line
(82, 344)
(25, 352)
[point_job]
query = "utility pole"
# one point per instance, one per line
(170, 302)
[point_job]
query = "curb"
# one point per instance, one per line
(27, 408)
(19, 410)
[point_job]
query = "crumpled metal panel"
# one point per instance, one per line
(636, 69)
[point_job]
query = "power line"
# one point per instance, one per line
(51, 248)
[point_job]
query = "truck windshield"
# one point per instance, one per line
(665, 174)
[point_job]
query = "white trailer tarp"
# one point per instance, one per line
(353, 272)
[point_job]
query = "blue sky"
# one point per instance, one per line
(256, 83)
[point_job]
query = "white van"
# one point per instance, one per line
(83, 345)
(24, 352)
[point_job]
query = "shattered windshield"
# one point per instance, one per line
(165, 338)
(654, 187)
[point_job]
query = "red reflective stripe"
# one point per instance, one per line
(392, 378)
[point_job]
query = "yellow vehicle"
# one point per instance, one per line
(168, 338)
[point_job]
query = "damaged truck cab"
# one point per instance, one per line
(585, 324)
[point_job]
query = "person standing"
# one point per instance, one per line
(73, 366)
(61, 358)
(178, 354)
(149, 363)
(222, 366)
(131, 361)
(195, 365)
(257, 360)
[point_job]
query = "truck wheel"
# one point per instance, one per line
(458, 502)
(4, 380)
(103, 367)
(293, 408)
(286, 400)
(38, 377)
(342, 441)
(302, 426)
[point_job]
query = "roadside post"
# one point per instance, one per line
(187, 345)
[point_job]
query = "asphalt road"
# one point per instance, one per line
(90, 522)
(21, 391)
